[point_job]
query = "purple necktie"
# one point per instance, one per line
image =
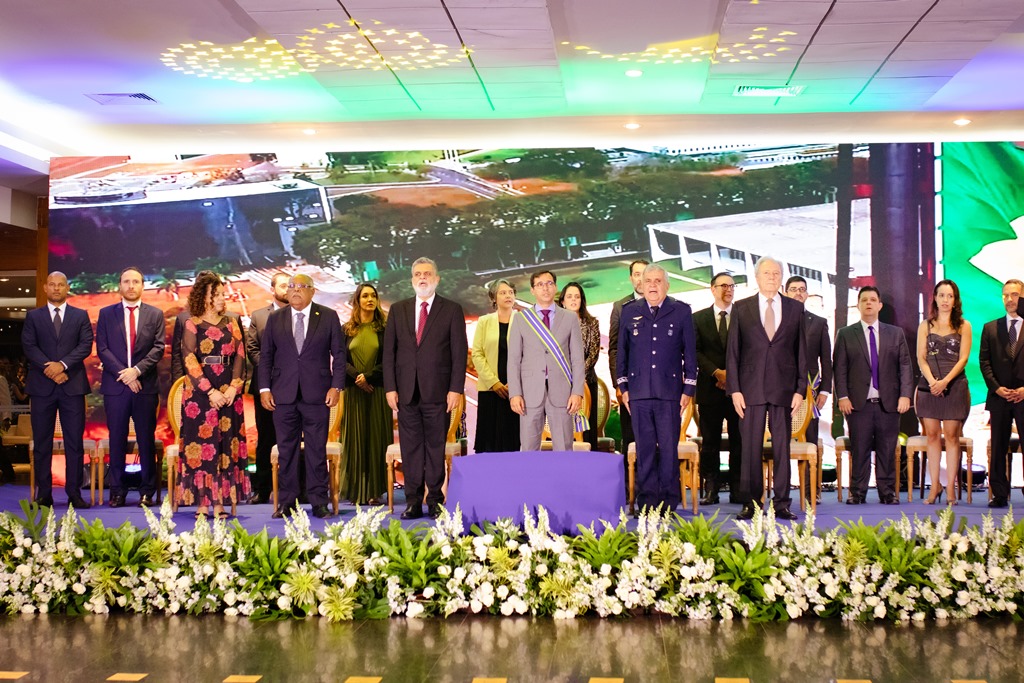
(874, 356)
(547, 317)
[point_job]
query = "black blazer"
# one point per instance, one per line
(819, 348)
(438, 364)
(253, 334)
(997, 366)
(766, 372)
(41, 346)
(853, 366)
(710, 355)
(613, 333)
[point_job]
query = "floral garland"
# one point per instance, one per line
(900, 570)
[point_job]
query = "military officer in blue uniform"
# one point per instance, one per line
(657, 375)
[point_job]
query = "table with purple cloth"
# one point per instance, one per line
(574, 488)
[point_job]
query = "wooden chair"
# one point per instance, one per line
(605, 444)
(20, 434)
(172, 452)
(453, 447)
(919, 444)
(578, 444)
(88, 448)
(333, 455)
(98, 471)
(806, 455)
(843, 451)
(688, 453)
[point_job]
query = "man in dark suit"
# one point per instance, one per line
(714, 406)
(56, 339)
(1002, 365)
(265, 435)
(874, 383)
(424, 375)
(636, 269)
(301, 376)
(657, 377)
(766, 376)
(130, 343)
(818, 343)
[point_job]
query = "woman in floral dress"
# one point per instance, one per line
(214, 456)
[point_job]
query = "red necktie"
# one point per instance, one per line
(131, 332)
(422, 323)
(546, 312)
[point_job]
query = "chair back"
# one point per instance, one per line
(453, 425)
(604, 406)
(174, 407)
(58, 430)
(24, 427)
(687, 418)
(803, 417)
(334, 419)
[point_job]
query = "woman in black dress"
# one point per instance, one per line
(497, 427)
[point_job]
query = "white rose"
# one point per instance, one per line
(507, 608)
(502, 592)
(428, 592)
(542, 569)
(284, 602)
(413, 610)
(606, 569)
(444, 570)
(475, 605)
(446, 551)
(460, 573)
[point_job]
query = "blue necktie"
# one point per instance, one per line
(874, 356)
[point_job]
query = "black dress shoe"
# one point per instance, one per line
(997, 503)
(747, 512)
(44, 501)
(412, 512)
(146, 501)
(258, 499)
(890, 499)
(321, 511)
(78, 502)
(709, 499)
(785, 513)
(278, 514)
(854, 499)
(117, 500)
(434, 510)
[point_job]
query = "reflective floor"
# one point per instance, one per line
(464, 649)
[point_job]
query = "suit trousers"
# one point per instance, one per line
(141, 409)
(72, 419)
(531, 425)
(657, 459)
(873, 430)
(712, 414)
(752, 424)
(422, 428)
(1003, 415)
(266, 437)
(301, 430)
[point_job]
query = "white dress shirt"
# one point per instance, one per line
(762, 304)
(419, 308)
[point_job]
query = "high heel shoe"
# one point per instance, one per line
(934, 497)
(951, 500)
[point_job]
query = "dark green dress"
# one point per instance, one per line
(367, 425)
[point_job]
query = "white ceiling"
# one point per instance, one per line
(537, 72)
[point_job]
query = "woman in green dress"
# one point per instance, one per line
(367, 426)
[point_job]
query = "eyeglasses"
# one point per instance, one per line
(296, 285)
(797, 290)
(545, 283)
(726, 286)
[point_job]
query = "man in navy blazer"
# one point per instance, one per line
(766, 376)
(873, 400)
(130, 343)
(424, 375)
(56, 339)
(301, 375)
(657, 375)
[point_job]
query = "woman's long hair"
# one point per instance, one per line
(956, 316)
(205, 285)
(379, 318)
(585, 315)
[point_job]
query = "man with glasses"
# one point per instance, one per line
(301, 374)
(546, 373)
(714, 406)
(818, 343)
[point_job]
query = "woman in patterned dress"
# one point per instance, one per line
(574, 299)
(943, 346)
(214, 456)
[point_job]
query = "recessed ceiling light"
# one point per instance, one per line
(768, 90)
(634, 73)
(962, 121)
(309, 131)
(631, 126)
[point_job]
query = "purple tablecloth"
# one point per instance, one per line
(575, 488)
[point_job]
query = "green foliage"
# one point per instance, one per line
(704, 533)
(410, 553)
(612, 547)
(746, 571)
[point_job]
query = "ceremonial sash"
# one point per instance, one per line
(580, 421)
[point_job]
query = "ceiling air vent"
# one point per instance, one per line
(107, 98)
(768, 90)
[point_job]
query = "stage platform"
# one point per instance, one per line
(830, 512)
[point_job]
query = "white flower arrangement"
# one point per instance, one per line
(904, 570)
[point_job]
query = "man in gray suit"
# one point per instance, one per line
(540, 384)
(874, 383)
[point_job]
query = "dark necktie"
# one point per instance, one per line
(547, 317)
(723, 328)
(300, 332)
(1013, 337)
(874, 356)
(422, 325)
(654, 311)
(56, 322)
(131, 331)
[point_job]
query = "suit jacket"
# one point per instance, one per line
(998, 367)
(253, 335)
(613, 332)
(41, 345)
(435, 366)
(316, 370)
(529, 360)
(766, 371)
(485, 350)
(853, 366)
(710, 355)
(112, 347)
(657, 355)
(819, 349)
(177, 362)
